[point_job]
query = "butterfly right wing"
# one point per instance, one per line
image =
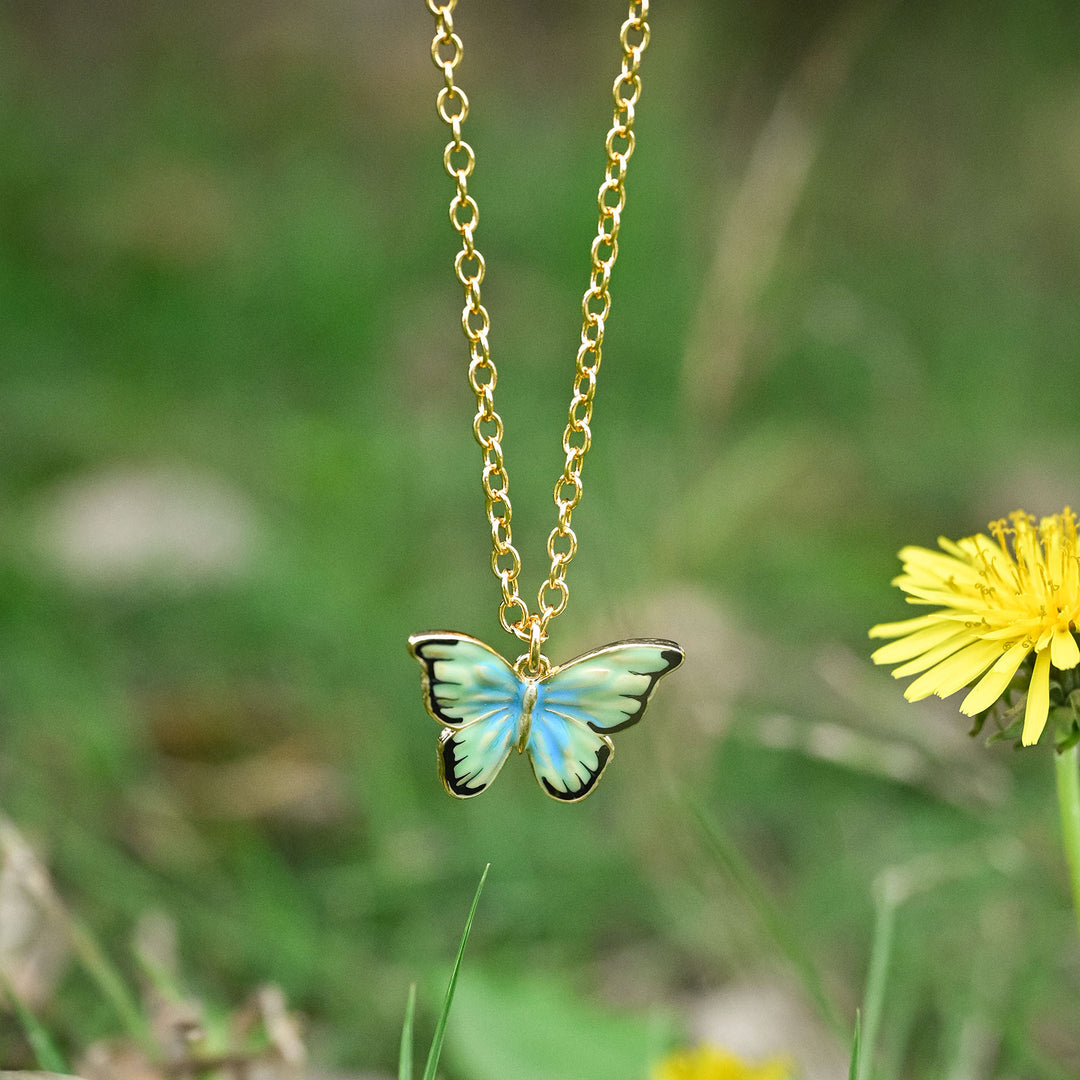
(579, 704)
(609, 688)
(473, 692)
(567, 756)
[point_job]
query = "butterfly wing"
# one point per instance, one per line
(609, 688)
(470, 757)
(567, 756)
(473, 692)
(579, 703)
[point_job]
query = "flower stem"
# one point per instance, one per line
(1067, 772)
(887, 900)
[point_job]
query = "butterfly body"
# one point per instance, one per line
(560, 716)
(528, 702)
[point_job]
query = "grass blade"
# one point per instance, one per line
(856, 1048)
(405, 1066)
(776, 925)
(49, 1059)
(109, 981)
(440, 1027)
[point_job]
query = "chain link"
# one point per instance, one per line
(459, 160)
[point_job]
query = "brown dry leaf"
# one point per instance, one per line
(178, 1031)
(282, 782)
(267, 1011)
(176, 1023)
(176, 1026)
(36, 1076)
(282, 1027)
(116, 1060)
(347, 1076)
(33, 935)
(235, 754)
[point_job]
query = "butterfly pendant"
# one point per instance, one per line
(562, 716)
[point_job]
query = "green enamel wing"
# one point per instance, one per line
(562, 718)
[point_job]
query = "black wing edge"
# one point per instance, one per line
(672, 653)
(447, 764)
(603, 756)
(416, 648)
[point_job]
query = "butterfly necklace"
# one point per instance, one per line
(561, 716)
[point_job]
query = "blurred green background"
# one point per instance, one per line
(237, 470)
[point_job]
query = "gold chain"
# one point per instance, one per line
(459, 159)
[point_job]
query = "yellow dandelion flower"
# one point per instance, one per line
(708, 1063)
(999, 600)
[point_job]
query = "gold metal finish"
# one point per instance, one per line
(458, 158)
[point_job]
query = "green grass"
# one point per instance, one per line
(231, 256)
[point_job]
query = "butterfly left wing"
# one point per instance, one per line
(470, 757)
(464, 679)
(473, 692)
(603, 691)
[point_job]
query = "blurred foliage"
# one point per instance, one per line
(224, 256)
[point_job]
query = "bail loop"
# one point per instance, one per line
(534, 663)
(536, 639)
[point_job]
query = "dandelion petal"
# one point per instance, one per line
(955, 671)
(950, 645)
(993, 684)
(1038, 700)
(914, 644)
(905, 626)
(1064, 653)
